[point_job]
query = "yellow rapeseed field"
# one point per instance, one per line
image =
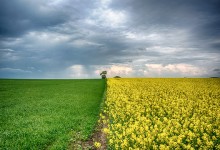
(163, 113)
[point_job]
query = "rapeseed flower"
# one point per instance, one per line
(97, 145)
(163, 113)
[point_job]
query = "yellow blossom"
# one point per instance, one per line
(97, 145)
(163, 113)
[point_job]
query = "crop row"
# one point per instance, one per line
(163, 113)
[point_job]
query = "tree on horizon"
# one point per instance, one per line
(103, 74)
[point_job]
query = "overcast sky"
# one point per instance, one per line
(129, 38)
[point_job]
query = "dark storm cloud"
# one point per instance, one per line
(201, 18)
(171, 13)
(216, 72)
(63, 38)
(20, 16)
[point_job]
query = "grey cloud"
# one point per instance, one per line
(47, 37)
(172, 12)
(200, 18)
(19, 16)
(217, 70)
(14, 73)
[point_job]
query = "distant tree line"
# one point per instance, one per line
(104, 73)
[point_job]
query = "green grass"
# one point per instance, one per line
(44, 114)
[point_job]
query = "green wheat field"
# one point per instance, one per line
(44, 114)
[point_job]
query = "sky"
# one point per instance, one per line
(128, 38)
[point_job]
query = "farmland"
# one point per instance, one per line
(45, 114)
(163, 113)
(153, 113)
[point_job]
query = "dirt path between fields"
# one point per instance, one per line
(97, 136)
